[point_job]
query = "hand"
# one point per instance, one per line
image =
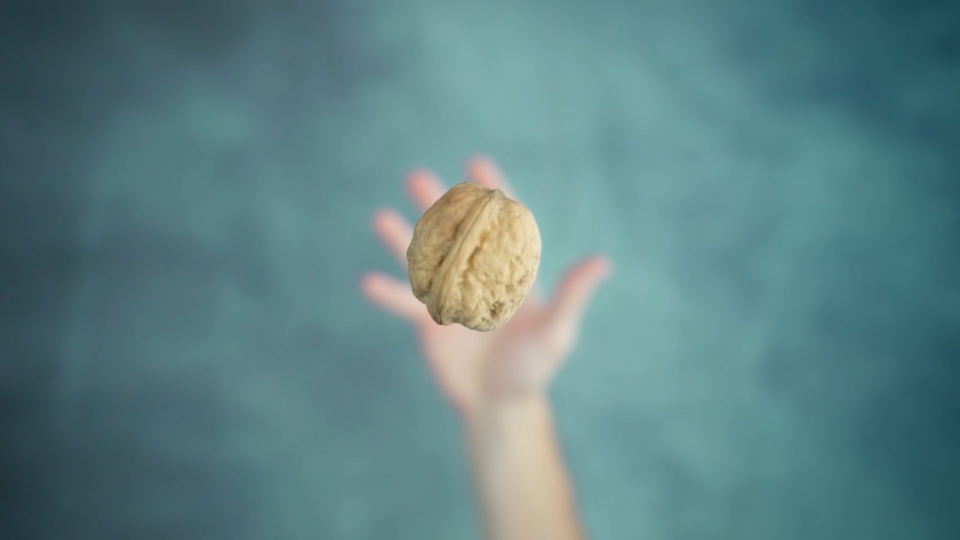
(474, 369)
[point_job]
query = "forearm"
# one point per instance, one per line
(524, 490)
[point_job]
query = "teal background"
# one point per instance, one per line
(185, 210)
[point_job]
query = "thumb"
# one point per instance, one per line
(570, 301)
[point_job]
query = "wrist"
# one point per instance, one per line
(507, 414)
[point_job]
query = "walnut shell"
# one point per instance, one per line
(474, 257)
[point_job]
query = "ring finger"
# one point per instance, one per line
(394, 231)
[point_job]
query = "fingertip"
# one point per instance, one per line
(376, 221)
(368, 283)
(603, 265)
(424, 187)
(479, 160)
(385, 220)
(424, 179)
(482, 170)
(581, 281)
(417, 176)
(593, 268)
(376, 287)
(391, 294)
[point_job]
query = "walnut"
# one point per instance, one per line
(474, 257)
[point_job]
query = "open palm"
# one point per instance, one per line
(517, 359)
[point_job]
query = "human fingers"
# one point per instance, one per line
(577, 287)
(394, 231)
(425, 188)
(392, 295)
(485, 172)
(482, 170)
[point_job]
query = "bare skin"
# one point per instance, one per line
(498, 381)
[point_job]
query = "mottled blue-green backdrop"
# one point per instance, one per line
(185, 199)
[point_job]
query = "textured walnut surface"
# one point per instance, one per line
(474, 257)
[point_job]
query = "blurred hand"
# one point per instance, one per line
(475, 369)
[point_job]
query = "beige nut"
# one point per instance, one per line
(474, 257)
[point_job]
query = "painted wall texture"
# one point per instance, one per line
(185, 199)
